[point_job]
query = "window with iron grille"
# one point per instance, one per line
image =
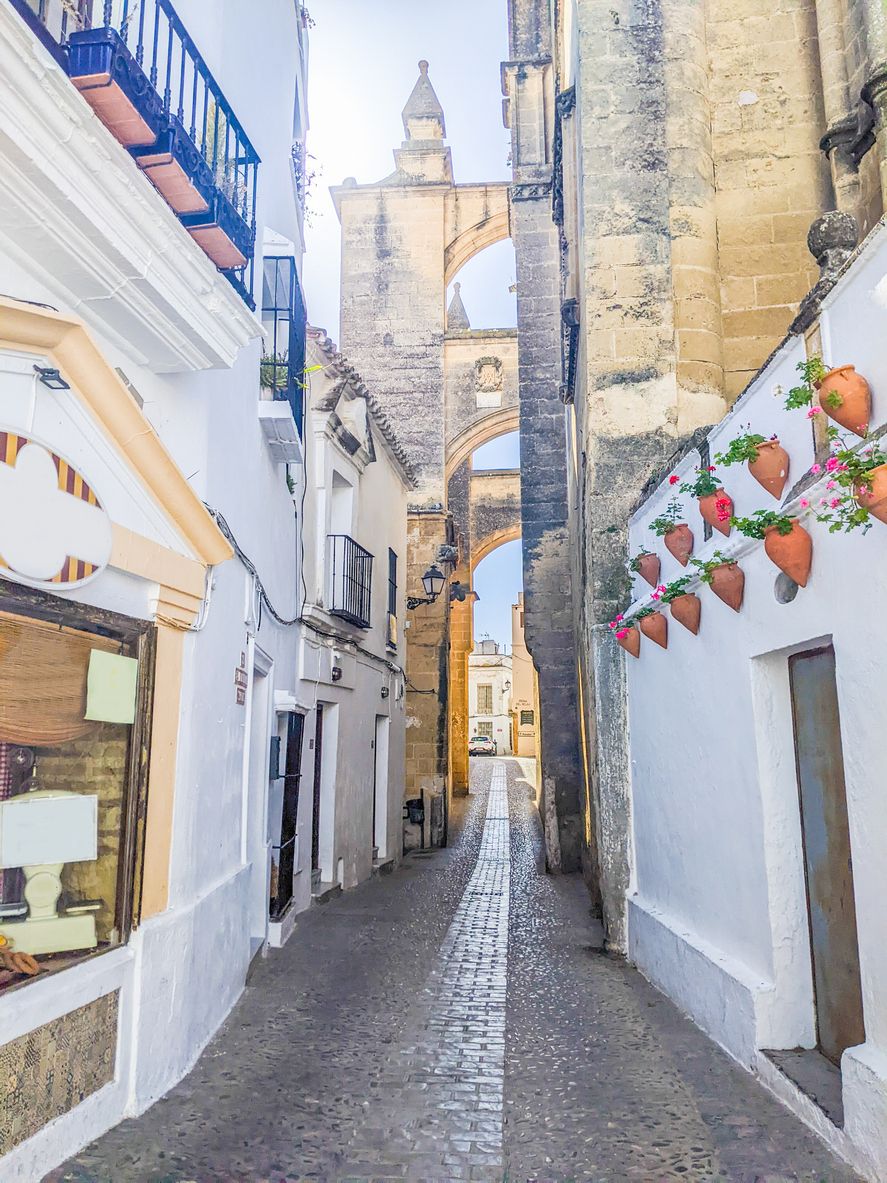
(283, 313)
(392, 599)
(527, 718)
(485, 700)
(351, 580)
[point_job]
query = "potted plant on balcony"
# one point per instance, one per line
(715, 506)
(677, 534)
(844, 395)
(725, 578)
(653, 625)
(273, 371)
(856, 489)
(626, 634)
(767, 460)
(647, 565)
(786, 542)
(686, 607)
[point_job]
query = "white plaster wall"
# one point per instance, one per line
(717, 911)
(369, 665)
(184, 969)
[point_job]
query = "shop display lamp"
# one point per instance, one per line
(40, 832)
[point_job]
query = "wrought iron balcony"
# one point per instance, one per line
(136, 65)
(284, 317)
(351, 580)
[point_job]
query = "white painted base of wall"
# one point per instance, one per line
(179, 978)
(280, 931)
(713, 989)
(731, 1007)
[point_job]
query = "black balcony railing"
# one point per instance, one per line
(136, 64)
(351, 580)
(283, 314)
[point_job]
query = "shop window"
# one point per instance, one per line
(74, 688)
(485, 700)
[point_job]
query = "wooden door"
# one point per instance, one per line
(827, 856)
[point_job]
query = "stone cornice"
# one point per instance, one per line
(93, 229)
(346, 379)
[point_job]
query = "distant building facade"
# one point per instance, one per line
(524, 686)
(490, 695)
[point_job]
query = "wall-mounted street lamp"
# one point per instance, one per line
(433, 582)
(51, 378)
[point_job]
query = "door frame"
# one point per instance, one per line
(785, 1013)
(381, 783)
(257, 783)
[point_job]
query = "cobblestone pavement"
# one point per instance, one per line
(459, 1021)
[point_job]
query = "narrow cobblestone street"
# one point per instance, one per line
(459, 1020)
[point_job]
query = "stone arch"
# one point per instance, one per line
(511, 533)
(481, 431)
(473, 240)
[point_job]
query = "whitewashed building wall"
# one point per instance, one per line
(717, 908)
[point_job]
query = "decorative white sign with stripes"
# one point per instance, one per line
(54, 532)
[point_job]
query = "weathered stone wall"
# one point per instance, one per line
(548, 604)
(427, 741)
(480, 374)
(772, 180)
(688, 170)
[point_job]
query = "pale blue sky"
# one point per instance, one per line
(363, 64)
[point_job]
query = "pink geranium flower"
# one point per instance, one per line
(835, 502)
(832, 463)
(804, 503)
(813, 412)
(816, 468)
(622, 634)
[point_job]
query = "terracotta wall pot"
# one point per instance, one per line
(855, 393)
(687, 610)
(771, 467)
(631, 643)
(728, 584)
(792, 553)
(874, 497)
(679, 542)
(656, 628)
(708, 507)
(649, 567)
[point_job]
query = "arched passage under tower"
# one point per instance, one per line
(450, 387)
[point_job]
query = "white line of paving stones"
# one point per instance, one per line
(444, 1090)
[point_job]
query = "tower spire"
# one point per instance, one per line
(423, 117)
(457, 317)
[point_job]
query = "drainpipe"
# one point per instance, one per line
(874, 24)
(840, 117)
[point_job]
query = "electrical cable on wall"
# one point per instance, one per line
(263, 597)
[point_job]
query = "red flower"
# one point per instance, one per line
(711, 468)
(622, 634)
(673, 480)
(724, 509)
